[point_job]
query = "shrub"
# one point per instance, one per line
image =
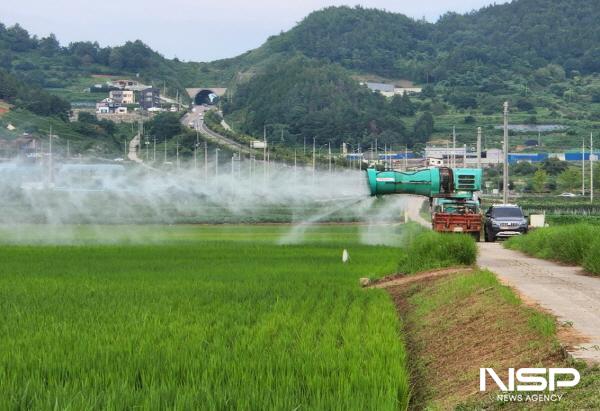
(572, 244)
(430, 250)
(591, 259)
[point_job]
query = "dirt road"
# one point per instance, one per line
(566, 292)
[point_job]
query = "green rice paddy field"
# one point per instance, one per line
(196, 317)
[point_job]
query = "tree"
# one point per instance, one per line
(49, 46)
(524, 105)
(540, 177)
(569, 180)
(19, 39)
(554, 166)
(523, 168)
(165, 125)
(423, 127)
(402, 105)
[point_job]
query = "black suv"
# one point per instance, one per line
(504, 220)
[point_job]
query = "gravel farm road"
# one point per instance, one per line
(564, 291)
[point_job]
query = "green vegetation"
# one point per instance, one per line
(323, 102)
(46, 63)
(31, 98)
(551, 38)
(429, 250)
(88, 137)
(572, 219)
(307, 78)
(572, 244)
(457, 324)
(468, 64)
(210, 322)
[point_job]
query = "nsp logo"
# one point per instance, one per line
(531, 379)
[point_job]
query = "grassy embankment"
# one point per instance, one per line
(572, 244)
(458, 323)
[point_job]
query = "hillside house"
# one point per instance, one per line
(108, 106)
(149, 98)
(123, 97)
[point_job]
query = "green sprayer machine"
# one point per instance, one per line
(451, 193)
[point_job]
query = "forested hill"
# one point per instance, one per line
(516, 36)
(44, 62)
(540, 55)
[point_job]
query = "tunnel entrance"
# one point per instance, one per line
(206, 96)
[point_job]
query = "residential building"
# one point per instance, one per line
(123, 97)
(149, 97)
(125, 84)
(108, 105)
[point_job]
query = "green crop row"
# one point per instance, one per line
(572, 219)
(218, 319)
(205, 317)
(572, 244)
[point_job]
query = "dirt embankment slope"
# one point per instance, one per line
(456, 322)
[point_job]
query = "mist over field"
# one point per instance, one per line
(68, 195)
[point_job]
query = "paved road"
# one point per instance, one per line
(414, 210)
(133, 147)
(196, 119)
(562, 290)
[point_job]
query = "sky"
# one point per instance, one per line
(192, 30)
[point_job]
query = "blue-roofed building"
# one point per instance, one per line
(576, 156)
(397, 156)
(530, 157)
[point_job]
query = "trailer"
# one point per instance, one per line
(457, 216)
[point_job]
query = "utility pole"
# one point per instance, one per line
(313, 162)
(505, 170)
(177, 154)
(295, 164)
(405, 158)
(592, 158)
(329, 157)
(583, 167)
(50, 165)
(265, 154)
(448, 158)
(216, 162)
(464, 156)
(125, 144)
(479, 147)
(154, 151)
(165, 150)
(453, 146)
(205, 161)
(68, 150)
(196, 152)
